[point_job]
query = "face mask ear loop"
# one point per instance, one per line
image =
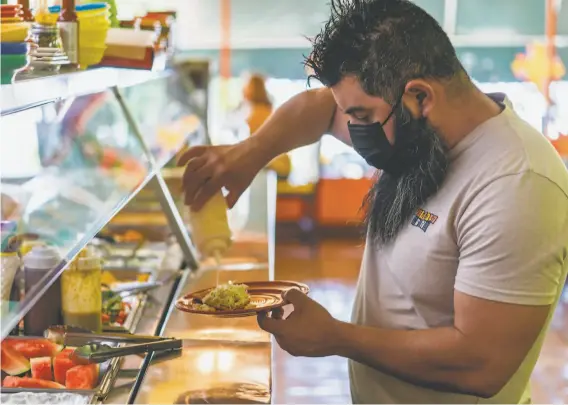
(392, 111)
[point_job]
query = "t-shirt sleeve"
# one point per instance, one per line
(513, 241)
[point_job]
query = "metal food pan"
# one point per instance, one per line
(107, 372)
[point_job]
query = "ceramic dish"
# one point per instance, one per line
(260, 301)
(264, 296)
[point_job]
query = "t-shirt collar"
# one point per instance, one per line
(499, 98)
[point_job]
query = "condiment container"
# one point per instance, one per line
(47, 311)
(28, 245)
(10, 264)
(210, 229)
(81, 292)
(68, 25)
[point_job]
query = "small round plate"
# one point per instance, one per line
(261, 300)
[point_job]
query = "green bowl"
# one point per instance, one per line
(8, 64)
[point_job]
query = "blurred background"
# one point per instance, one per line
(519, 47)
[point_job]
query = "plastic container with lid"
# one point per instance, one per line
(47, 311)
(81, 292)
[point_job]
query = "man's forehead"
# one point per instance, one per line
(350, 96)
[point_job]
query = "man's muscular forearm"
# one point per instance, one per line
(301, 121)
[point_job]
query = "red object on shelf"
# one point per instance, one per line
(147, 63)
(561, 145)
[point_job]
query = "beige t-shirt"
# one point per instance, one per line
(497, 229)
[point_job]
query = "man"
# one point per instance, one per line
(467, 244)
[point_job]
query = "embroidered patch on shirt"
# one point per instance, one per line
(423, 219)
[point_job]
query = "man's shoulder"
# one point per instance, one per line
(515, 148)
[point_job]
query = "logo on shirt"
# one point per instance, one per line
(423, 219)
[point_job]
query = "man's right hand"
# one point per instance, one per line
(300, 121)
(210, 168)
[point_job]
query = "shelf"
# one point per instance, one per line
(71, 164)
(29, 93)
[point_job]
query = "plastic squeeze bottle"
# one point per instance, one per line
(210, 228)
(47, 311)
(81, 292)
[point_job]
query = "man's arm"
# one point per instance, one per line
(513, 244)
(300, 121)
(477, 356)
(513, 241)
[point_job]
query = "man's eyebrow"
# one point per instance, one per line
(355, 109)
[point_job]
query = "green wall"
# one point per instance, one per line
(483, 64)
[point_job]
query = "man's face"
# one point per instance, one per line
(360, 107)
(420, 159)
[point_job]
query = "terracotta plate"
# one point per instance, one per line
(260, 300)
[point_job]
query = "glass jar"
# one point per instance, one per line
(45, 36)
(81, 292)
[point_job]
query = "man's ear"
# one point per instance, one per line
(419, 97)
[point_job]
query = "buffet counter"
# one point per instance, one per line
(223, 360)
(95, 153)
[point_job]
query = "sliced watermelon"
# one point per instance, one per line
(13, 363)
(27, 382)
(82, 377)
(61, 363)
(41, 368)
(31, 348)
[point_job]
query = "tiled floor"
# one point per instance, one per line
(332, 275)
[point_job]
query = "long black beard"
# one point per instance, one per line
(415, 173)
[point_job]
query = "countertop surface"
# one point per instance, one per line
(223, 360)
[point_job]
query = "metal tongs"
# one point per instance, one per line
(95, 351)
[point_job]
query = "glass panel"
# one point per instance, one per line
(164, 117)
(67, 167)
(506, 17)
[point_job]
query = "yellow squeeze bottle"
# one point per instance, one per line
(210, 228)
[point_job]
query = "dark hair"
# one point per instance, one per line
(385, 44)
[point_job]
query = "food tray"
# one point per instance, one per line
(102, 388)
(108, 370)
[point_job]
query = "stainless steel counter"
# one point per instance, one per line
(223, 360)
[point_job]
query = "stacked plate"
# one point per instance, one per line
(47, 57)
(11, 13)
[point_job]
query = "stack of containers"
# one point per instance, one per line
(94, 23)
(13, 31)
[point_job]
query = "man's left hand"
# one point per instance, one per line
(309, 330)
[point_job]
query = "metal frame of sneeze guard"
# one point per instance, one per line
(69, 87)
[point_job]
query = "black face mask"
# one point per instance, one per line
(371, 142)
